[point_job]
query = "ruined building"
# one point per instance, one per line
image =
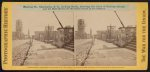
(80, 33)
(18, 34)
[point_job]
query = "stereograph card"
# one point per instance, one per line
(74, 36)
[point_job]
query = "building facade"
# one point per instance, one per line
(18, 34)
(80, 33)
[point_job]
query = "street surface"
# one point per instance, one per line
(42, 54)
(88, 52)
(82, 47)
(19, 51)
(107, 54)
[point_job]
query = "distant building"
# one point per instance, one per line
(49, 28)
(120, 37)
(18, 34)
(14, 35)
(19, 26)
(102, 35)
(39, 35)
(81, 25)
(81, 34)
(48, 32)
(48, 35)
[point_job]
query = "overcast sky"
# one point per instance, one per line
(95, 20)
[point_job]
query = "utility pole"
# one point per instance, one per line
(30, 42)
(90, 33)
(109, 28)
(28, 33)
(48, 28)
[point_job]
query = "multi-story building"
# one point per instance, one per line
(18, 34)
(80, 33)
(49, 32)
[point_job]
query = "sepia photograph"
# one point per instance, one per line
(73, 38)
(105, 38)
(42, 38)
